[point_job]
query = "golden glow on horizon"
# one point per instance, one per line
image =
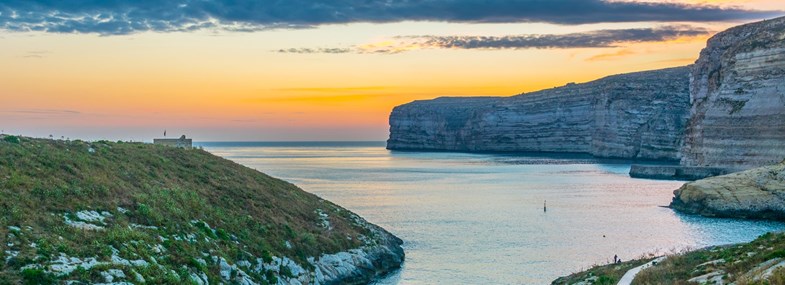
(233, 86)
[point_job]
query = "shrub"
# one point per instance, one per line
(37, 276)
(12, 139)
(285, 271)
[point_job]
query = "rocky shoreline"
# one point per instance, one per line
(379, 257)
(756, 193)
(676, 172)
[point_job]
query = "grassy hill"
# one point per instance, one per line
(759, 262)
(141, 213)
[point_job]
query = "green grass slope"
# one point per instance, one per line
(759, 262)
(141, 213)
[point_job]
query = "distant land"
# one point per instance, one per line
(291, 143)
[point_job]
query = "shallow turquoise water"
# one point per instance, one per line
(478, 218)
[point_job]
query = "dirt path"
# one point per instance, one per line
(630, 275)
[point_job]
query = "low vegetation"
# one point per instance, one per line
(100, 211)
(602, 274)
(759, 262)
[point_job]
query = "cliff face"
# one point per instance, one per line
(737, 92)
(755, 193)
(724, 113)
(638, 115)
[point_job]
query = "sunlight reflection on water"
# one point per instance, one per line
(478, 218)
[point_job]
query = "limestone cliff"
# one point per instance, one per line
(638, 115)
(755, 193)
(737, 92)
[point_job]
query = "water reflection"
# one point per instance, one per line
(478, 218)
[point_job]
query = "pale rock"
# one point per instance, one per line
(709, 278)
(200, 279)
(111, 274)
(737, 92)
(754, 193)
(64, 265)
(90, 216)
(10, 254)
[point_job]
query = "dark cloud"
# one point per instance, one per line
(592, 39)
(601, 38)
(129, 16)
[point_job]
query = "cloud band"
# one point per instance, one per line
(593, 39)
(129, 16)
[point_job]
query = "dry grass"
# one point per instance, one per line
(737, 261)
(605, 274)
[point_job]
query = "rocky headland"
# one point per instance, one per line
(737, 92)
(75, 212)
(721, 115)
(738, 95)
(754, 193)
(639, 115)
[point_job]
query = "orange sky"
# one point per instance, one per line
(233, 85)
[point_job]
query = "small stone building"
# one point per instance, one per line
(181, 142)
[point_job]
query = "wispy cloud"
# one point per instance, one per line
(316, 50)
(685, 60)
(334, 89)
(130, 16)
(37, 114)
(41, 111)
(592, 39)
(35, 54)
(612, 55)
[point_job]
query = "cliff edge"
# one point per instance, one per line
(638, 115)
(737, 92)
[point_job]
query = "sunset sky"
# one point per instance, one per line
(247, 70)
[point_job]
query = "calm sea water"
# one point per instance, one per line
(478, 218)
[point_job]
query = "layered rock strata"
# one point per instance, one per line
(737, 94)
(637, 115)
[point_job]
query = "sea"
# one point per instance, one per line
(494, 218)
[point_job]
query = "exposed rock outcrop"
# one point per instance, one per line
(737, 94)
(637, 115)
(381, 255)
(754, 193)
(675, 172)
